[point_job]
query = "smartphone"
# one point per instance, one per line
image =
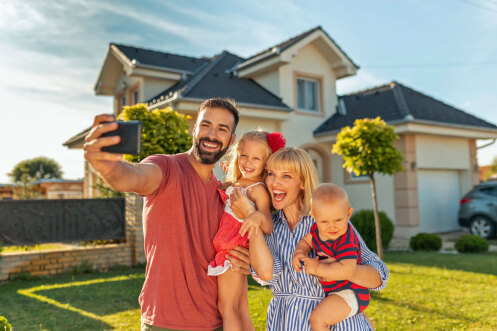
(131, 138)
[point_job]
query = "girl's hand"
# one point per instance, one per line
(296, 260)
(252, 226)
(241, 205)
(311, 265)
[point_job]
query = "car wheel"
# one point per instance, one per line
(482, 226)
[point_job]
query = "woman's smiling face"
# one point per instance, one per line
(285, 188)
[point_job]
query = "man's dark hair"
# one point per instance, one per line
(223, 103)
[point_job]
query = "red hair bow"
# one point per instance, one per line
(275, 140)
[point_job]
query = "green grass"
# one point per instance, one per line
(427, 291)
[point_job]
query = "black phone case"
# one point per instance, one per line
(131, 134)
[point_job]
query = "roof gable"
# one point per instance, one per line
(342, 63)
(396, 103)
(147, 57)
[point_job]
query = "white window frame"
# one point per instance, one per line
(317, 100)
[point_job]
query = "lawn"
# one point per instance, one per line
(427, 291)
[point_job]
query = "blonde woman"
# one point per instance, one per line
(291, 179)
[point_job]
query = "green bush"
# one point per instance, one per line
(426, 242)
(4, 324)
(165, 131)
(363, 221)
(471, 244)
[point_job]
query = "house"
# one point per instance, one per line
(6, 192)
(47, 188)
(291, 88)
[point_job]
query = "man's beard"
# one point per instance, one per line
(208, 157)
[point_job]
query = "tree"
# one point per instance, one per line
(35, 168)
(368, 148)
(493, 169)
(165, 131)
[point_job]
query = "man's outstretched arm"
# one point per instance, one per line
(140, 178)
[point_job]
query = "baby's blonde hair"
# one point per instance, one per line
(233, 173)
(297, 160)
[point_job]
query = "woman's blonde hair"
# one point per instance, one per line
(233, 173)
(297, 161)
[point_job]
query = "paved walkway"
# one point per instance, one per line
(448, 241)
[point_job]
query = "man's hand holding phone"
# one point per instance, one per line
(102, 162)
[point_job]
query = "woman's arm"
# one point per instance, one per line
(372, 273)
(260, 257)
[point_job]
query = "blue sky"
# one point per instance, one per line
(51, 52)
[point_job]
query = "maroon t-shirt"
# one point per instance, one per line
(180, 220)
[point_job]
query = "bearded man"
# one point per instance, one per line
(181, 214)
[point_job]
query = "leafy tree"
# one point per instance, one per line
(165, 131)
(35, 168)
(493, 169)
(368, 148)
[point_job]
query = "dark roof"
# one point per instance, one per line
(216, 80)
(399, 103)
(277, 49)
(161, 59)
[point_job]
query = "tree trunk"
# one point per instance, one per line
(379, 246)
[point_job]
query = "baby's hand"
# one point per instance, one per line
(250, 226)
(311, 265)
(296, 261)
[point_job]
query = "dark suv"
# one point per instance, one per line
(478, 210)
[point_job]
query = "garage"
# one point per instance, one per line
(439, 194)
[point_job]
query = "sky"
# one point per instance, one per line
(51, 52)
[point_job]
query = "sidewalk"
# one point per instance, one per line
(448, 241)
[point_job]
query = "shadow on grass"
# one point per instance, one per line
(478, 263)
(418, 308)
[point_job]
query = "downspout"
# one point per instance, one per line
(486, 145)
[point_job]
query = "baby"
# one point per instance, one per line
(333, 235)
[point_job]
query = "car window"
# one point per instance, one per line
(492, 191)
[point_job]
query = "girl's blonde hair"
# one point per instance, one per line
(233, 173)
(298, 162)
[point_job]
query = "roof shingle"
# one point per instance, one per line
(161, 59)
(396, 102)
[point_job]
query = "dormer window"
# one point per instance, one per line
(308, 95)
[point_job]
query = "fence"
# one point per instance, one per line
(49, 262)
(27, 222)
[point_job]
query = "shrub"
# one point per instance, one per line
(363, 221)
(4, 324)
(426, 242)
(471, 244)
(84, 268)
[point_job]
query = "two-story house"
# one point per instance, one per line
(291, 88)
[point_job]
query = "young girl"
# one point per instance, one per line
(245, 166)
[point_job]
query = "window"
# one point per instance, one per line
(307, 95)
(123, 101)
(492, 191)
(135, 97)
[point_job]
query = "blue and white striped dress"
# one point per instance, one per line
(295, 295)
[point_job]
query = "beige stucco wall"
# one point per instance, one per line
(270, 81)
(442, 152)
(153, 86)
(301, 125)
(359, 191)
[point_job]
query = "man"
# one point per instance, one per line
(181, 215)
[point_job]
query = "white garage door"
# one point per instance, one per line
(438, 200)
